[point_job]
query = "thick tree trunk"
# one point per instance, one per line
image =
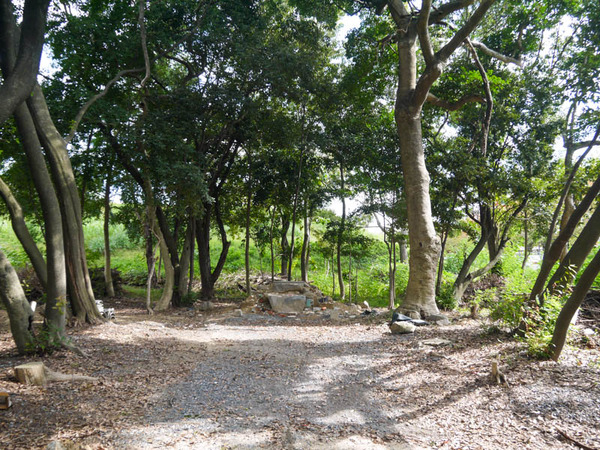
(110, 289)
(17, 306)
(573, 303)
(423, 240)
(80, 287)
(56, 286)
(22, 232)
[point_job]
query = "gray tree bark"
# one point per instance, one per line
(410, 97)
(80, 287)
(22, 232)
(573, 303)
(17, 306)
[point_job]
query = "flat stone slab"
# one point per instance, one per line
(289, 286)
(287, 303)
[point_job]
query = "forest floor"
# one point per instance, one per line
(219, 381)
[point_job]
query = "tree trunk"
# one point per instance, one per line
(573, 303)
(56, 286)
(403, 250)
(22, 232)
(285, 245)
(423, 240)
(305, 245)
(203, 241)
(247, 246)
(526, 243)
(169, 285)
(208, 276)
(80, 287)
(110, 289)
(440, 273)
(574, 259)
(21, 50)
(271, 228)
(463, 279)
(341, 235)
(183, 285)
(192, 231)
(555, 250)
(17, 306)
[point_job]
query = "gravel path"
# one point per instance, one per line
(281, 385)
(176, 380)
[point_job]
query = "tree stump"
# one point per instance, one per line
(37, 374)
(31, 373)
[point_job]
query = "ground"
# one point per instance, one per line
(221, 381)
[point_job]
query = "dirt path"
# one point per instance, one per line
(174, 381)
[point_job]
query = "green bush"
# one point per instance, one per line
(446, 300)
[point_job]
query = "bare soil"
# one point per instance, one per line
(186, 380)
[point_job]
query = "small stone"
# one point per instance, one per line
(438, 319)
(206, 306)
(238, 312)
(436, 342)
(402, 327)
(334, 314)
(366, 305)
(55, 445)
(588, 332)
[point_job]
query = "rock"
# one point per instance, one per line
(238, 312)
(334, 314)
(402, 327)
(438, 319)
(55, 445)
(588, 332)
(436, 342)
(366, 305)
(287, 303)
(206, 306)
(290, 286)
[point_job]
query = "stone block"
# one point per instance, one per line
(287, 303)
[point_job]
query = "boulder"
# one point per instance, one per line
(402, 327)
(287, 303)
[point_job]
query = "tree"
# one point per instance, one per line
(413, 27)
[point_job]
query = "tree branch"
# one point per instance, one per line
(20, 68)
(464, 32)
(454, 106)
(94, 99)
(423, 31)
(445, 10)
(494, 54)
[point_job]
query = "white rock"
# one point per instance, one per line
(402, 327)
